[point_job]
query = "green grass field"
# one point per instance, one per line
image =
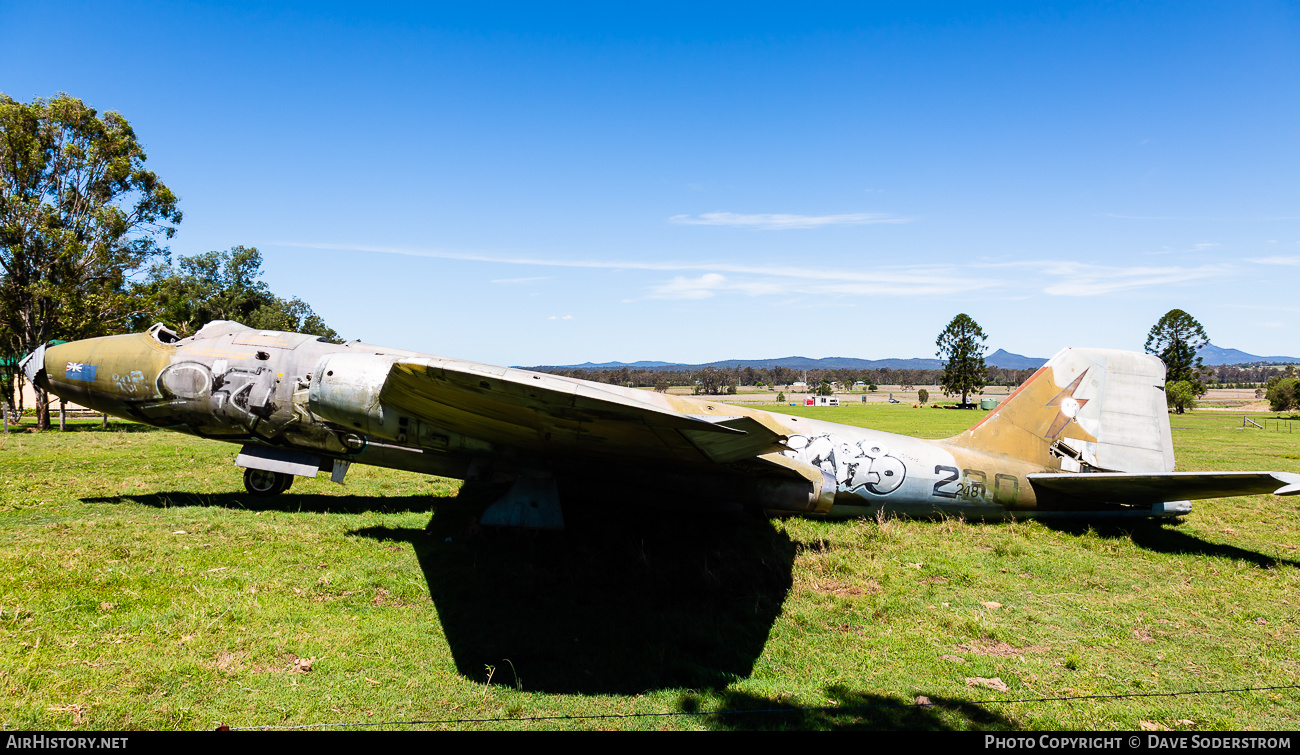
(140, 587)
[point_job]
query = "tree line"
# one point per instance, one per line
(1244, 376)
(717, 380)
(1176, 339)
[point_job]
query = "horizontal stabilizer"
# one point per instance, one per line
(1146, 489)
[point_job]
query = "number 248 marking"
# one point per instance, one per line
(1006, 488)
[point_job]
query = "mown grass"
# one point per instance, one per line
(140, 587)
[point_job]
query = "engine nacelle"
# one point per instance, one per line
(345, 390)
(814, 495)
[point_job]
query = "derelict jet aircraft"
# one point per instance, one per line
(1086, 436)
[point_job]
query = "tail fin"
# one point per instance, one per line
(1085, 410)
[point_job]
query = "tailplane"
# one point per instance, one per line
(1086, 410)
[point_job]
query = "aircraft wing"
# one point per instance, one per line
(553, 414)
(1141, 489)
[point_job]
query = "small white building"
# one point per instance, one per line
(821, 401)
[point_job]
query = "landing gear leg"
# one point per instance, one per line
(260, 482)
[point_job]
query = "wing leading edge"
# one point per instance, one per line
(538, 411)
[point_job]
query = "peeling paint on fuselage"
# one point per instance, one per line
(239, 385)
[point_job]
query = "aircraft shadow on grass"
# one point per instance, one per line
(288, 502)
(627, 599)
(623, 600)
(853, 711)
(1166, 538)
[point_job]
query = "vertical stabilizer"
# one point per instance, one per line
(1085, 410)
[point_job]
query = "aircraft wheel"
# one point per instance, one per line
(261, 482)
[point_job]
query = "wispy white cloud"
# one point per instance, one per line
(1142, 217)
(885, 274)
(778, 222)
(1080, 279)
(829, 283)
(564, 317)
(1204, 246)
(705, 286)
(522, 280)
(1191, 217)
(1263, 307)
(681, 287)
(1069, 278)
(1290, 261)
(705, 279)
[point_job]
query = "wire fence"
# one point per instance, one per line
(1271, 424)
(838, 709)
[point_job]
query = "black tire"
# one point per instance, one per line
(260, 482)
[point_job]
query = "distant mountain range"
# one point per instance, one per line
(1212, 355)
(998, 358)
(1008, 361)
(1215, 356)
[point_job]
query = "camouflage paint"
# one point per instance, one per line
(1085, 411)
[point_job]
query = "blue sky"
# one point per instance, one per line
(529, 183)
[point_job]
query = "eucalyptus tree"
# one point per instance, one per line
(78, 213)
(222, 286)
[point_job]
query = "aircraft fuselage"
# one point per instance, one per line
(279, 392)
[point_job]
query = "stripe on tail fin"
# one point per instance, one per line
(1085, 410)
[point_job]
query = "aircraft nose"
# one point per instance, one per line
(71, 362)
(109, 369)
(40, 365)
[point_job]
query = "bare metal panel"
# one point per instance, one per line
(278, 460)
